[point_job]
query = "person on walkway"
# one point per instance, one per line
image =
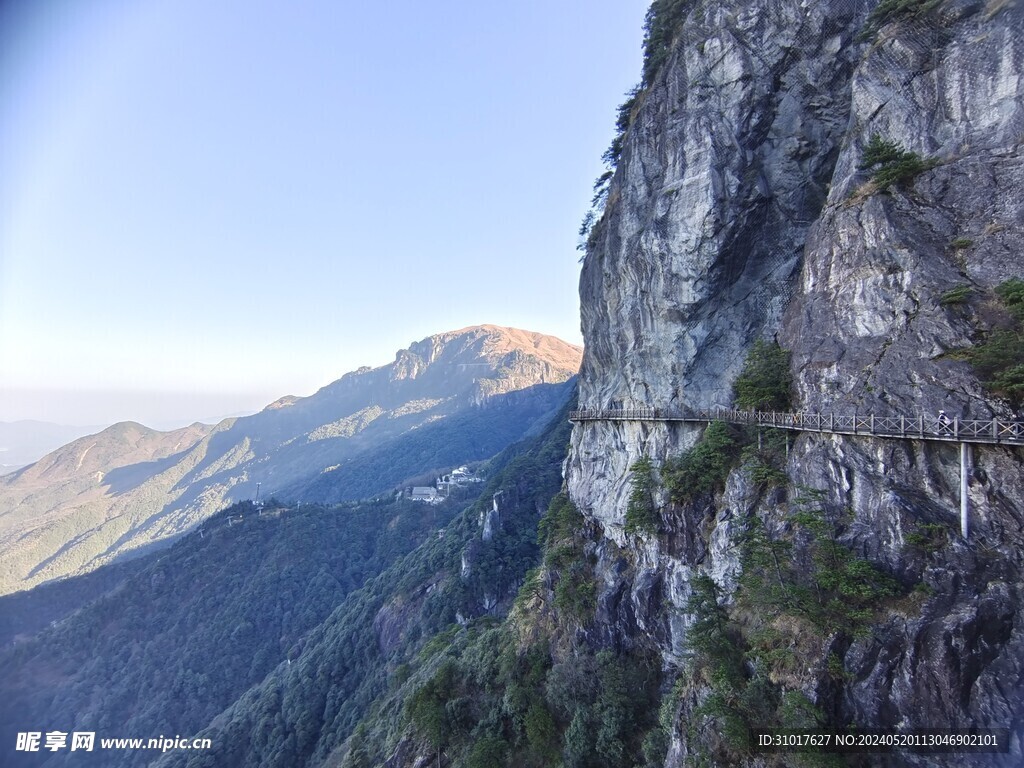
(944, 424)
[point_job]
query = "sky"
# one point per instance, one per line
(207, 205)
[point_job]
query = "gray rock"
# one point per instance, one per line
(738, 211)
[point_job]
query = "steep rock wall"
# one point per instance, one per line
(724, 168)
(738, 211)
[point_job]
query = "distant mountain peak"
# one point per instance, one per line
(481, 386)
(517, 337)
(482, 345)
(282, 402)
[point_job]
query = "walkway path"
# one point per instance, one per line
(913, 427)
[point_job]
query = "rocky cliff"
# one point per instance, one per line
(742, 208)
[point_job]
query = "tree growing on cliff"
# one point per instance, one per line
(764, 383)
(998, 359)
(641, 515)
(705, 467)
(428, 708)
(660, 25)
(893, 165)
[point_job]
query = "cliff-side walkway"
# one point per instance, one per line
(908, 427)
(905, 427)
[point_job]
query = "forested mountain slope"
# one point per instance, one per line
(178, 641)
(303, 713)
(461, 396)
(298, 613)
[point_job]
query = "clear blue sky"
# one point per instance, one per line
(206, 205)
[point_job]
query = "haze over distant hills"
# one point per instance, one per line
(466, 394)
(25, 441)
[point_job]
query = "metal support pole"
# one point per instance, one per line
(965, 468)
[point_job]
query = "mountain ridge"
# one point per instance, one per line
(104, 495)
(25, 441)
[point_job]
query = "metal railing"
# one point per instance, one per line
(912, 427)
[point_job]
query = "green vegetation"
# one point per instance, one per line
(213, 616)
(961, 242)
(712, 639)
(428, 707)
(562, 532)
(800, 585)
(561, 522)
(479, 695)
(641, 513)
(704, 468)
(28, 612)
(463, 437)
(956, 296)
(927, 537)
(660, 25)
(997, 362)
(490, 703)
(764, 383)
(611, 156)
(287, 627)
(893, 165)
(718, 653)
(812, 575)
(1011, 294)
(656, 741)
(764, 459)
(999, 359)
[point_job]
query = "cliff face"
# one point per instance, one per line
(724, 169)
(738, 211)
